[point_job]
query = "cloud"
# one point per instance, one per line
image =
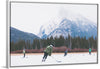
(30, 17)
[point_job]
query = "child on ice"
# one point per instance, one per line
(24, 52)
(65, 52)
(47, 51)
(90, 51)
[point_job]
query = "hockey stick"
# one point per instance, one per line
(55, 59)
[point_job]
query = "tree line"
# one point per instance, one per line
(69, 42)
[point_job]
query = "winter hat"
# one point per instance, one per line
(51, 45)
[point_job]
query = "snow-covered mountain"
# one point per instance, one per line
(67, 22)
(46, 29)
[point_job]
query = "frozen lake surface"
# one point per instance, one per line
(32, 59)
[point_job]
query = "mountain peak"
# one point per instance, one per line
(67, 20)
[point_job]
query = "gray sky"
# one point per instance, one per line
(29, 17)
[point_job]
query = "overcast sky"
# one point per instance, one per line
(29, 17)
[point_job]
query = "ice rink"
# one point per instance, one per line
(36, 59)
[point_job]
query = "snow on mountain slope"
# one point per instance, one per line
(47, 28)
(67, 22)
(70, 27)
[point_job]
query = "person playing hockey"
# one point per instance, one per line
(47, 51)
(65, 53)
(90, 51)
(24, 52)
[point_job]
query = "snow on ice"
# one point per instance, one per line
(18, 60)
